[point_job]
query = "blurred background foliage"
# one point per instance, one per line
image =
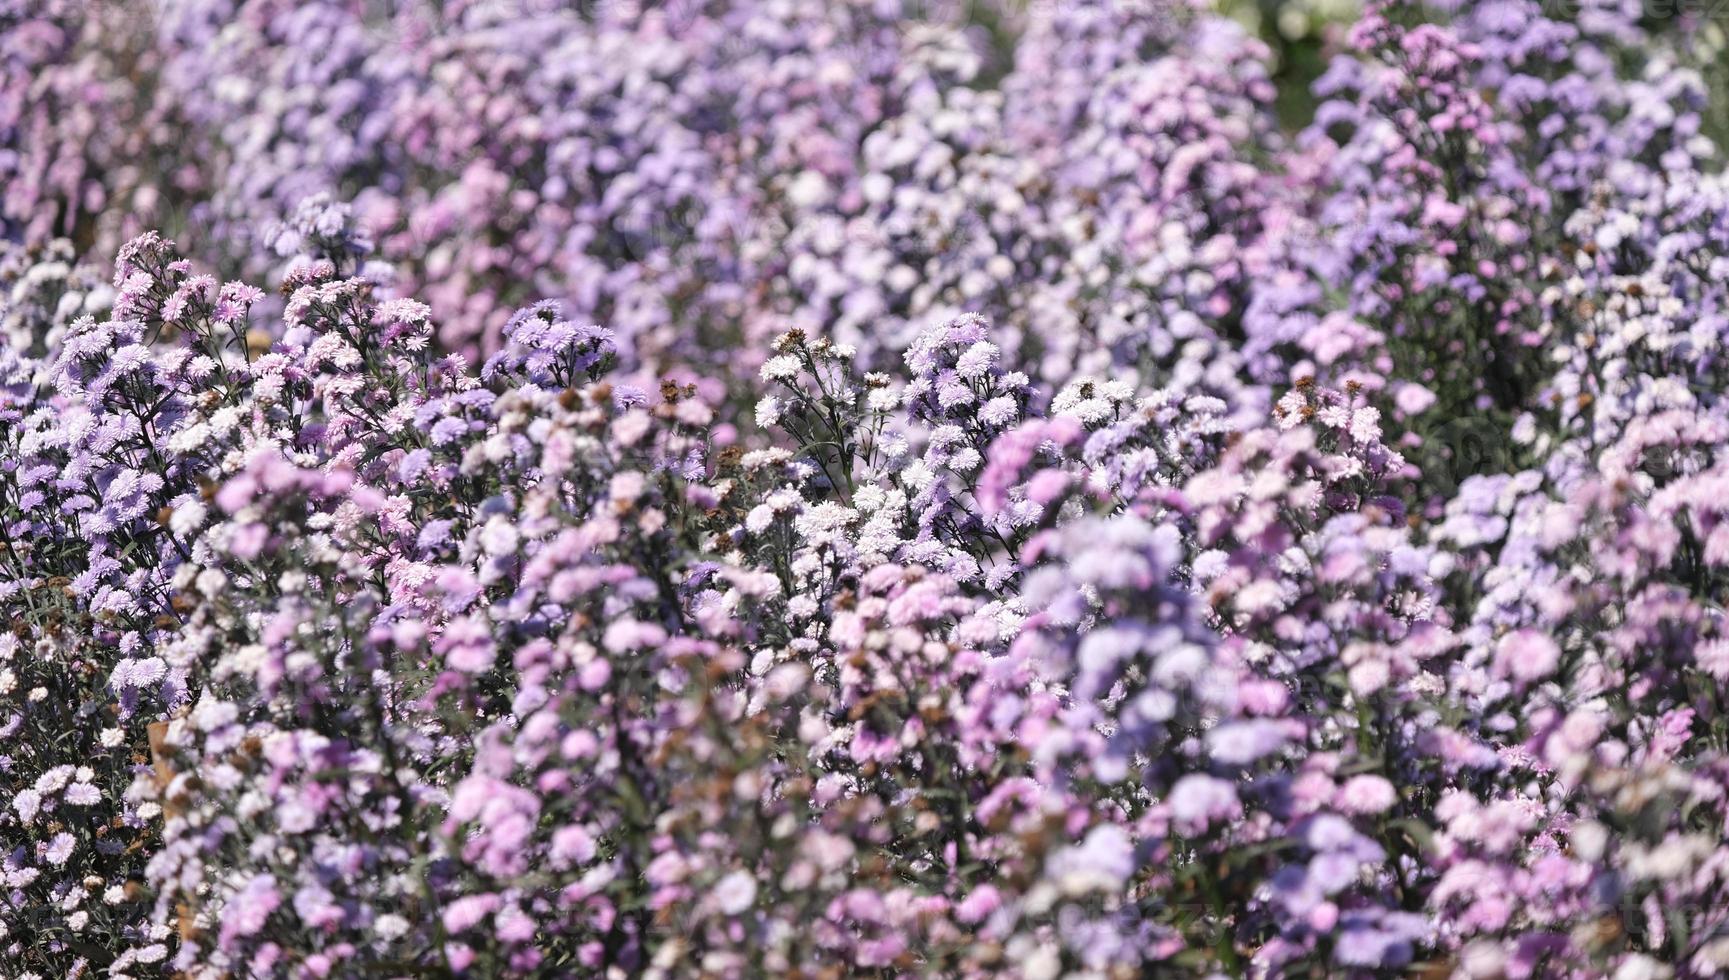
(1301, 34)
(1706, 46)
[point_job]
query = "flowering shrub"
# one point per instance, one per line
(709, 489)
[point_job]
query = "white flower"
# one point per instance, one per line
(189, 437)
(1043, 964)
(225, 420)
(27, 803)
(759, 518)
(499, 536)
(781, 368)
(977, 360)
(1366, 424)
(211, 582)
(876, 187)
(758, 459)
(735, 893)
(188, 516)
(390, 926)
(153, 953)
(825, 521)
(768, 411)
(808, 189)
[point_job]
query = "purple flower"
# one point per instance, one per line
(249, 908)
(59, 849)
(1198, 800)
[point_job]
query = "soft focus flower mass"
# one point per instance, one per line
(515, 489)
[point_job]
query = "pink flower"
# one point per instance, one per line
(1526, 655)
(468, 911)
(1366, 794)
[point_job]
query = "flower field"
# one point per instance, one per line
(519, 488)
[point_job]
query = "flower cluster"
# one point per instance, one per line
(691, 176)
(719, 488)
